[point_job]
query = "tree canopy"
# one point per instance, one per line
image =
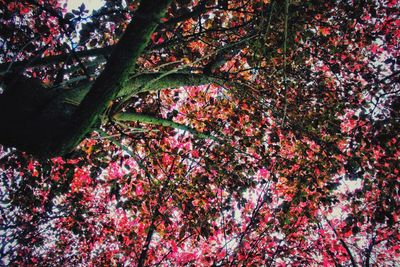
(200, 133)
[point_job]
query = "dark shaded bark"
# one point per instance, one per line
(20, 105)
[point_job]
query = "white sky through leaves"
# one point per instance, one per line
(89, 4)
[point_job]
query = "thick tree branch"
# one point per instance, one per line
(114, 77)
(136, 117)
(137, 83)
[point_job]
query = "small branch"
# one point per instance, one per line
(285, 59)
(143, 254)
(353, 262)
(369, 252)
(55, 59)
(197, 11)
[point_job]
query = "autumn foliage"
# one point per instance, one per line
(287, 156)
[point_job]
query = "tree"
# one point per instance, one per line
(224, 133)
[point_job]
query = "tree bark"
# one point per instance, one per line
(47, 135)
(145, 82)
(114, 77)
(136, 117)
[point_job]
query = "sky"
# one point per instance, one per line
(90, 4)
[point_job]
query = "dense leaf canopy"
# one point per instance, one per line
(245, 133)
